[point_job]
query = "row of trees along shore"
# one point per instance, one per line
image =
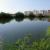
(21, 15)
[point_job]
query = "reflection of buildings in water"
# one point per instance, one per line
(44, 19)
(48, 19)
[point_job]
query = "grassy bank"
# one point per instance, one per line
(48, 31)
(29, 44)
(48, 16)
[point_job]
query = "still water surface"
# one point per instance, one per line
(13, 30)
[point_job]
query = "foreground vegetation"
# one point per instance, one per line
(48, 32)
(48, 16)
(27, 43)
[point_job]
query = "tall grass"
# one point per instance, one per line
(29, 44)
(48, 31)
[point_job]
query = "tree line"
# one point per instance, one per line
(19, 16)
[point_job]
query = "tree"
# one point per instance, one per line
(41, 16)
(31, 16)
(3, 15)
(19, 16)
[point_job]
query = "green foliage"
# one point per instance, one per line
(29, 44)
(19, 15)
(48, 16)
(9, 46)
(48, 31)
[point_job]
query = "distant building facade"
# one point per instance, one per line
(44, 12)
(27, 12)
(37, 12)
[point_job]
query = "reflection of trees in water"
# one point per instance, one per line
(6, 17)
(5, 20)
(19, 19)
(19, 16)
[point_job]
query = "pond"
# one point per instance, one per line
(13, 30)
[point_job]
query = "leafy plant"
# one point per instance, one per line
(29, 44)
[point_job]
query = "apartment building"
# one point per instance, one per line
(37, 12)
(28, 12)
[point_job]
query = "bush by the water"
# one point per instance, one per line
(29, 44)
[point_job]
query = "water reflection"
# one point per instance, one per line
(19, 27)
(4, 20)
(48, 19)
(15, 30)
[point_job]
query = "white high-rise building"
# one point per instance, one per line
(27, 12)
(43, 12)
(36, 12)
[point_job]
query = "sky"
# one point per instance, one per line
(13, 6)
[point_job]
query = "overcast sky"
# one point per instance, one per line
(13, 6)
